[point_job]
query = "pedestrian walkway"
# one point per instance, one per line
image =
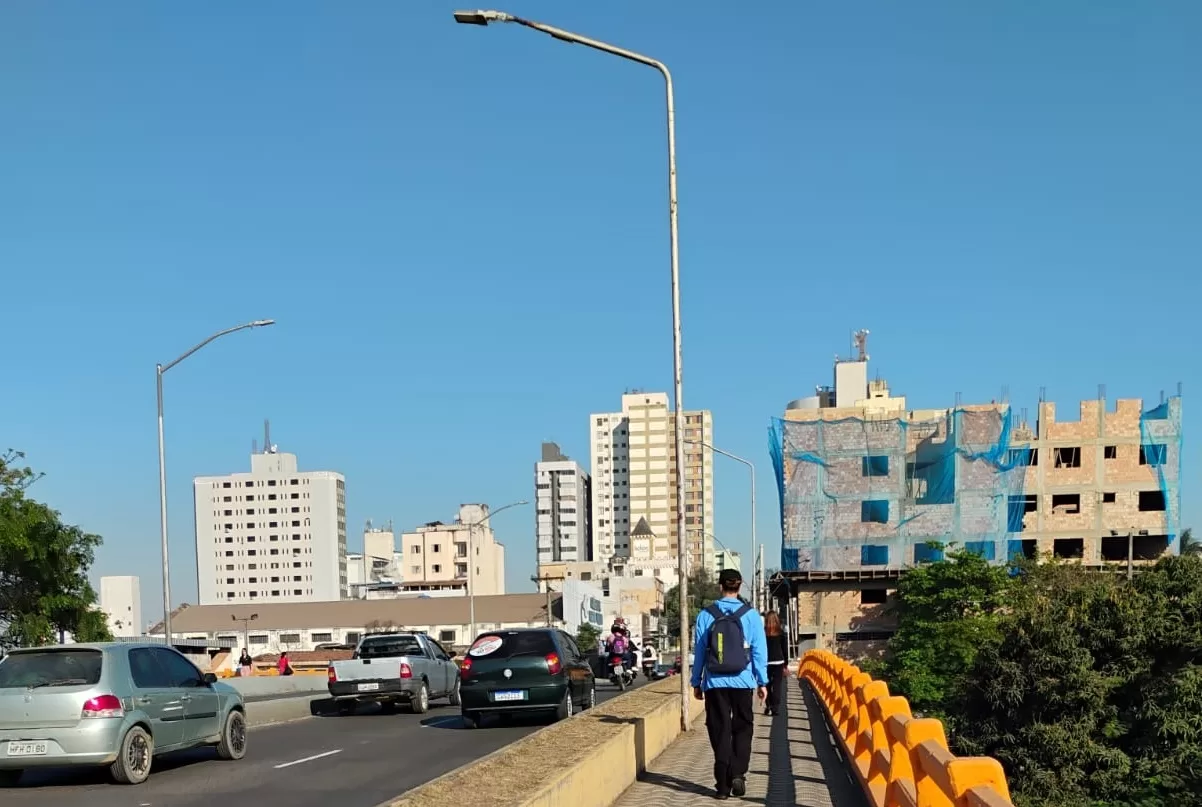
(793, 762)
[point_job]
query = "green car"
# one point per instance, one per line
(524, 670)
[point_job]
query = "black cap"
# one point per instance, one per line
(729, 578)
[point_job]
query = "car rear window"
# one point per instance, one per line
(47, 668)
(390, 647)
(504, 644)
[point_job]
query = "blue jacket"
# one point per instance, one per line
(756, 673)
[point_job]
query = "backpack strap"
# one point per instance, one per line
(739, 614)
(716, 612)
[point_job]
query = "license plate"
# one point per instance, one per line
(27, 749)
(515, 695)
(368, 687)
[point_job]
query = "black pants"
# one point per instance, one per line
(776, 673)
(728, 719)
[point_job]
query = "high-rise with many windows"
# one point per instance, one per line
(275, 534)
(634, 478)
(563, 508)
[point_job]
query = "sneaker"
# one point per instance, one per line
(738, 787)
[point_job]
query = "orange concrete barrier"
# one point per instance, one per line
(900, 760)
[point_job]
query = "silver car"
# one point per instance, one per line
(111, 704)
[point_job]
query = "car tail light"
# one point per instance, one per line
(553, 665)
(465, 668)
(332, 674)
(406, 670)
(103, 706)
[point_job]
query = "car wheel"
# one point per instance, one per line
(591, 700)
(134, 757)
(566, 706)
(454, 699)
(421, 701)
(471, 720)
(233, 737)
(9, 778)
(346, 707)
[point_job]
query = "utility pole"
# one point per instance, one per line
(1130, 555)
(548, 580)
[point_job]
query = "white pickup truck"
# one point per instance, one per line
(395, 668)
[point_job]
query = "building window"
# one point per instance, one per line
(1151, 500)
(874, 555)
(446, 636)
(258, 638)
(290, 638)
(1108, 498)
(874, 466)
(873, 596)
(1068, 457)
(318, 638)
(1152, 454)
(1066, 503)
(874, 511)
(1111, 452)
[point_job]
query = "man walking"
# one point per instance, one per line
(730, 662)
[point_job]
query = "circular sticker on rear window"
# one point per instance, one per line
(486, 645)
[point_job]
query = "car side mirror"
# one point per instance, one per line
(209, 678)
(451, 654)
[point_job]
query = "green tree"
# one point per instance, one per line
(703, 590)
(947, 613)
(587, 636)
(1190, 545)
(44, 589)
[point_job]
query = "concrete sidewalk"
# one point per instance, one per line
(793, 762)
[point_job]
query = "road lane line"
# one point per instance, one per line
(441, 722)
(308, 759)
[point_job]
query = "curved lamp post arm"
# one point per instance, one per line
(259, 323)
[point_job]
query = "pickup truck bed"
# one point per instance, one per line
(392, 669)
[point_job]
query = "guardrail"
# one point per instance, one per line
(900, 760)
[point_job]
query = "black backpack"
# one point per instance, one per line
(726, 652)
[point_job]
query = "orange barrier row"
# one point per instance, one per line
(901, 761)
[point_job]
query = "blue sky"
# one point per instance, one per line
(462, 233)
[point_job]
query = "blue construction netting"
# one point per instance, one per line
(1160, 447)
(886, 492)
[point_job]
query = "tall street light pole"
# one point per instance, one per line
(482, 17)
(159, 369)
(471, 564)
(245, 628)
(754, 544)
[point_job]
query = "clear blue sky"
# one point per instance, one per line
(462, 233)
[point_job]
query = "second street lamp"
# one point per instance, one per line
(755, 593)
(471, 565)
(159, 369)
(484, 17)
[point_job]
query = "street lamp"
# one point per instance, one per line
(751, 465)
(482, 17)
(245, 628)
(471, 565)
(159, 369)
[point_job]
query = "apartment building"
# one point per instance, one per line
(121, 602)
(871, 488)
(275, 534)
(563, 508)
(379, 568)
(634, 479)
(436, 555)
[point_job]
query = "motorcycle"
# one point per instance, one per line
(649, 666)
(619, 675)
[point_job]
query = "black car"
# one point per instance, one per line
(525, 670)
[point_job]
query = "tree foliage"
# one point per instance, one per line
(587, 636)
(1087, 687)
(44, 589)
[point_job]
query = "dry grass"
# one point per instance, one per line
(518, 771)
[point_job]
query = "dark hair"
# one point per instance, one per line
(730, 586)
(772, 624)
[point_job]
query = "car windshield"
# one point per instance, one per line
(506, 645)
(390, 647)
(49, 668)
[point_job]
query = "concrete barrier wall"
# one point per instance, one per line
(900, 760)
(278, 686)
(587, 761)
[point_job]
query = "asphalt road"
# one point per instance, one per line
(354, 761)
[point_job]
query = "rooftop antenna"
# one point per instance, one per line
(254, 446)
(860, 338)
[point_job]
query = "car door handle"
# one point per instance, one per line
(186, 698)
(145, 700)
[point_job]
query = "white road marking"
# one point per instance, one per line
(443, 721)
(308, 759)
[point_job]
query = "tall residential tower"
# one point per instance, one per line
(563, 508)
(634, 479)
(275, 534)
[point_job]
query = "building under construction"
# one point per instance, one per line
(869, 488)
